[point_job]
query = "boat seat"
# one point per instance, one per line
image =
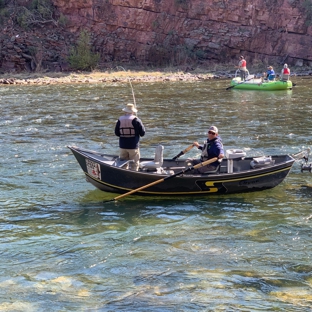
(212, 171)
(157, 162)
(217, 170)
(284, 77)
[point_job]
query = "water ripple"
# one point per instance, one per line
(62, 246)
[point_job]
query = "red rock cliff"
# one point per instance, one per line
(174, 31)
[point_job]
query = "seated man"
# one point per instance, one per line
(285, 73)
(212, 148)
(270, 74)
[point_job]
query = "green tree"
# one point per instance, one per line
(37, 13)
(81, 57)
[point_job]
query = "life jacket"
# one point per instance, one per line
(243, 64)
(286, 71)
(204, 154)
(206, 147)
(126, 127)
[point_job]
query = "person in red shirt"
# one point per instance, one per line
(285, 73)
(242, 65)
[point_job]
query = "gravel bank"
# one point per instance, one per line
(121, 76)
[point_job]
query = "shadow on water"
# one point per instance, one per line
(213, 204)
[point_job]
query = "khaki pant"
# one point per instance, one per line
(243, 74)
(203, 169)
(131, 154)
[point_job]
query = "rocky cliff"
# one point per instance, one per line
(162, 32)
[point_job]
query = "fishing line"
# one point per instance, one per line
(134, 102)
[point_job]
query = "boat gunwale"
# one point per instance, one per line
(254, 171)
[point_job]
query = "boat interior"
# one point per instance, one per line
(234, 162)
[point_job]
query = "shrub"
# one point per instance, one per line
(81, 57)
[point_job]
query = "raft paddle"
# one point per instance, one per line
(205, 163)
(183, 152)
(239, 83)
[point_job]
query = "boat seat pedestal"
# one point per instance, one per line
(233, 154)
(157, 162)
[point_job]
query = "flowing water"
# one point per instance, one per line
(63, 249)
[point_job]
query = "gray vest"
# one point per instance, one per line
(126, 127)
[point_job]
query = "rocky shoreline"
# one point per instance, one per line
(119, 77)
(104, 78)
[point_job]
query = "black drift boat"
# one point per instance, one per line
(235, 174)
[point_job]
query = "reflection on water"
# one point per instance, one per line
(64, 246)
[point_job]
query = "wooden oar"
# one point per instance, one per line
(239, 83)
(205, 163)
(183, 152)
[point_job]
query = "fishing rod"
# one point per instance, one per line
(134, 102)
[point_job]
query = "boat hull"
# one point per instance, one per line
(257, 84)
(103, 175)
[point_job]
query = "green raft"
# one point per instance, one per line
(258, 84)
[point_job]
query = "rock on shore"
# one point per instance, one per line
(113, 77)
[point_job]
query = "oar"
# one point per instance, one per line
(239, 83)
(205, 163)
(183, 152)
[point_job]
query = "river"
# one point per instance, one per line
(63, 249)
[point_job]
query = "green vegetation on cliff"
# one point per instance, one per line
(81, 57)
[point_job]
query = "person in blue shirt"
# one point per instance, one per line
(129, 128)
(270, 73)
(213, 147)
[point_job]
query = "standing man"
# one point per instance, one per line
(129, 128)
(242, 65)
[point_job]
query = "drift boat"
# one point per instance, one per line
(235, 174)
